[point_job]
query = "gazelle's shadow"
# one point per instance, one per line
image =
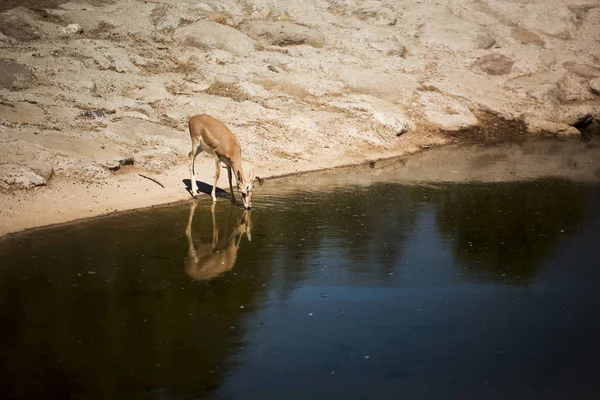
(204, 188)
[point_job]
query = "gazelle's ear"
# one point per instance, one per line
(260, 180)
(250, 175)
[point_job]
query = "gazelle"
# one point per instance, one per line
(212, 136)
(207, 261)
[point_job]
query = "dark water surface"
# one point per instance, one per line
(478, 291)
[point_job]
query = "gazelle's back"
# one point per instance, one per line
(214, 135)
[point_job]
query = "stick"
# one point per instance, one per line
(153, 180)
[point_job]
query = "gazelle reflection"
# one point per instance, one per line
(207, 261)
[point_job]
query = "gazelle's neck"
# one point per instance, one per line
(239, 173)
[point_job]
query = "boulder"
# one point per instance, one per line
(446, 113)
(527, 37)
(583, 70)
(374, 13)
(539, 126)
(19, 177)
(572, 88)
(595, 86)
(70, 30)
(494, 64)
(104, 53)
(282, 33)
(13, 74)
(453, 33)
(382, 39)
(211, 35)
(22, 113)
(19, 24)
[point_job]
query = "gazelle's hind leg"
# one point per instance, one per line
(191, 160)
(217, 173)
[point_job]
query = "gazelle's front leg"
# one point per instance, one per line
(217, 173)
(230, 185)
(191, 161)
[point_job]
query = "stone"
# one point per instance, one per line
(373, 13)
(19, 177)
(19, 24)
(595, 86)
(14, 74)
(21, 113)
(583, 70)
(211, 35)
(220, 57)
(104, 53)
(382, 39)
(485, 41)
(573, 88)
(282, 33)
(494, 64)
(540, 126)
(70, 30)
(447, 113)
(527, 37)
(452, 33)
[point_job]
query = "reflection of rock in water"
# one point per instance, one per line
(502, 231)
(207, 261)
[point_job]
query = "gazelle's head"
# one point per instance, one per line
(247, 187)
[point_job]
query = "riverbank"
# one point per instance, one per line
(66, 200)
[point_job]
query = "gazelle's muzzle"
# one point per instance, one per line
(246, 198)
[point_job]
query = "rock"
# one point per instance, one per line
(71, 166)
(211, 35)
(540, 126)
(373, 13)
(220, 57)
(70, 30)
(387, 86)
(23, 113)
(573, 88)
(282, 33)
(585, 71)
(382, 112)
(382, 39)
(595, 86)
(478, 90)
(527, 37)
(19, 24)
(14, 75)
(485, 41)
(165, 18)
(494, 64)
(19, 177)
(104, 53)
(453, 33)
(447, 113)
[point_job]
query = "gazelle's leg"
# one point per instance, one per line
(217, 173)
(230, 185)
(191, 160)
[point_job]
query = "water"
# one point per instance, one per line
(370, 291)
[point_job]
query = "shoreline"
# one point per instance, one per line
(66, 201)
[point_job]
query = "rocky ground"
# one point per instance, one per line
(93, 92)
